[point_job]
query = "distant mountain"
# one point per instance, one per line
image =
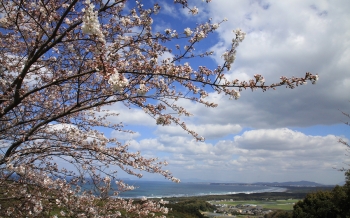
(299, 183)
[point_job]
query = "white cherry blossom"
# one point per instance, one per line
(188, 32)
(118, 81)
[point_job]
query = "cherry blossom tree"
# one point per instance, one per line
(62, 61)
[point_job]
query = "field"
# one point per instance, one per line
(273, 205)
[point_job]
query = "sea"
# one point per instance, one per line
(158, 189)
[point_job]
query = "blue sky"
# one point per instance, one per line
(281, 135)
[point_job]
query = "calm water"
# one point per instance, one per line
(155, 189)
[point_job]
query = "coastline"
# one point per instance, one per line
(290, 192)
(270, 190)
(170, 190)
(158, 190)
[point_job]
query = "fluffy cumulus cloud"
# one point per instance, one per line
(127, 116)
(289, 153)
(208, 131)
(288, 38)
(256, 155)
(124, 136)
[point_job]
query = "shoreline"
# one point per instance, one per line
(277, 190)
(201, 194)
(290, 192)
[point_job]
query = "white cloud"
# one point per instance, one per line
(168, 9)
(290, 154)
(208, 131)
(126, 136)
(176, 146)
(165, 56)
(285, 38)
(128, 116)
